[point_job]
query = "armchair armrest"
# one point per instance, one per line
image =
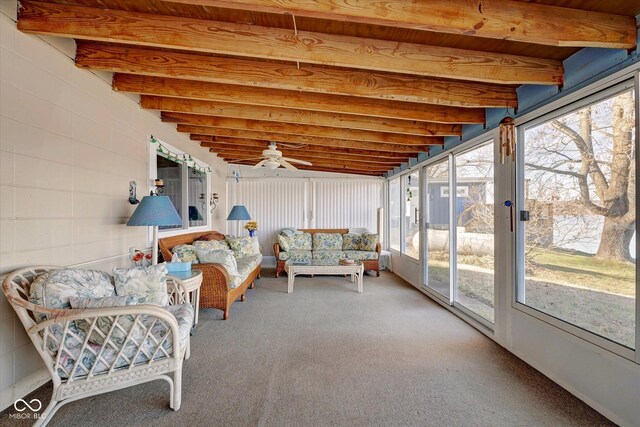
(276, 250)
(378, 249)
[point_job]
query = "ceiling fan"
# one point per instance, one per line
(272, 159)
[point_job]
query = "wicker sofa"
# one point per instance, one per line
(370, 259)
(216, 290)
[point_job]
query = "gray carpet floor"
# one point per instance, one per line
(326, 355)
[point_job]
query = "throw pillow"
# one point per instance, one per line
(207, 237)
(185, 253)
(147, 284)
(369, 242)
(327, 241)
(222, 256)
(351, 241)
(54, 288)
(211, 245)
(244, 246)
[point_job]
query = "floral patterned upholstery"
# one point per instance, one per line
(54, 288)
(245, 266)
(89, 357)
(224, 257)
(295, 242)
(148, 284)
(185, 253)
(244, 246)
(329, 255)
(296, 256)
(369, 242)
(327, 242)
(361, 255)
(211, 245)
(351, 241)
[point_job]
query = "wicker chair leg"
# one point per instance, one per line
(226, 314)
(243, 297)
(252, 285)
(377, 273)
(48, 413)
(177, 390)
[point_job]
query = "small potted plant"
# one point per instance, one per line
(252, 226)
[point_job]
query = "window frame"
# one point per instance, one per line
(392, 250)
(403, 214)
(630, 80)
(184, 172)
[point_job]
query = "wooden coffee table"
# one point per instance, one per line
(324, 267)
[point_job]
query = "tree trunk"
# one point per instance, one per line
(615, 240)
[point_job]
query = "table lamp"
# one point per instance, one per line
(238, 213)
(154, 211)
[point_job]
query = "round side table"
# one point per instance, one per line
(192, 281)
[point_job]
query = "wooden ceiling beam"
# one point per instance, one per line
(321, 166)
(207, 91)
(324, 142)
(304, 154)
(308, 78)
(297, 129)
(259, 145)
(346, 134)
(494, 19)
(288, 115)
(330, 163)
(111, 25)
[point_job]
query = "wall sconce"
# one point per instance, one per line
(132, 193)
(159, 187)
(214, 201)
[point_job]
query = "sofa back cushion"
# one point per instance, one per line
(295, 242)
(185, 253)
(244, 246)
(327, 241)
(55, 288)
(224, 257)
(211, 245)
(147, 284)
(369, 242)
(351, 241)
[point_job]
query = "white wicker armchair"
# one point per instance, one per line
(142, 343)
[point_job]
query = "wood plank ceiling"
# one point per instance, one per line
(353, 86)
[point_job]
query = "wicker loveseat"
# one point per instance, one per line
(91, 351)
(217, 289)
(310, 247)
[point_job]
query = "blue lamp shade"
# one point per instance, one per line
(238, 213)
(155, 210)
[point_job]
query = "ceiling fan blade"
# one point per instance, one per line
(302, 162)
(287, 165)
(260, 163)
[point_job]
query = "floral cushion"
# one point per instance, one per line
(329, 255)
(369, 242)
(55, 288)
(244, 246)
(185, 253)
(103, 324)
(327, 241)
(361, 255)
(295, 242)
(224, 257)
(296, 256)
(212, 245)
(148, 284)
(110, 354)
(351, 241)
(245, 266)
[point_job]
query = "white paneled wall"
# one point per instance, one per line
(69, 146)
(305, 203)
(274, 203)
(346, 204)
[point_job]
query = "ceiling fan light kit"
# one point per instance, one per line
(272, 159)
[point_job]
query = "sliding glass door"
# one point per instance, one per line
(436, 219)
(474, 206)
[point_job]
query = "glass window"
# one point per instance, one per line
(437, 225)
(197, 195)
(579, 262)
(394, 214)
(171, 173)
(411, 214)
(475, 230)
